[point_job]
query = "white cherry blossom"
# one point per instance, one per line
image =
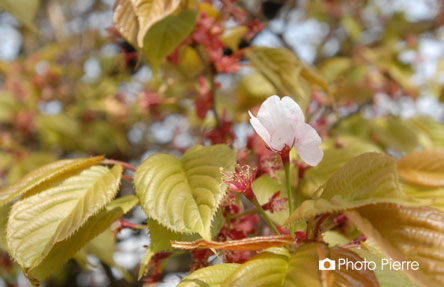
(281, 124)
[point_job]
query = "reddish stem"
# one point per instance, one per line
(127, 177)
(318, 225)
(125, 165)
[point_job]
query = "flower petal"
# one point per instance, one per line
(282, 136)
(271, 113)
(260, 129)
(293, 110)
(307, 144)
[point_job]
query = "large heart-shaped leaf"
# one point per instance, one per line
(367, 179)
(406, 233)
(93, 227)
(39, 222)
(184, 194)
(300, 269)
(424, 168)
(212, 276)
(133, 18)
(45, 176)
(166, 35)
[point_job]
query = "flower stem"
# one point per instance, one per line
(251, 211)
(290, 193)
(265, 216)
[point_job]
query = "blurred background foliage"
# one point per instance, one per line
(370, 74)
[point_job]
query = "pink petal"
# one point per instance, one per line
(307, 144)
(292, 109)
(282, 136)
(260, 129)
(271, 113)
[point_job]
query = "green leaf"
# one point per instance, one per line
(103, 247)
(316, 176)
(45, 176)
(37, 223)
(264, 187)
(212, 276)
(432, 197)
(28, 163)
(22, 10)
(335, 238)
(264, 269)
(352, 27)
(183, 195)
(299, 270)
(283, 69)
(233, 37)
(133, 18)
(386, 277)
(160, 240)
(406, 233)
(334, 158)
(53, 133)
(425, 168)
(166, 35)
(4, 211)
(433, 129)
(395, 133)
(367, 179)
(253, 89)
(66, 249)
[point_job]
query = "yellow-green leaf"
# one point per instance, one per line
(406, 233)
(212, 276)
(424, 168)
(37, 223)
(395, 133)
(4, 211)
(386, 277)
(334, 158)
(233, 37)
(160, 240)
(299, 270)
(366, 179)
(316, 176)
(283, 69)
(103, 247)
(264, 187)
(23, 10)
(433, 129)
(95, 225)
(133, 18)
(166, 35)
(431, 197)
(45, 176)
(183, 195)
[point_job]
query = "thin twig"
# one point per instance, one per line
(125, 165)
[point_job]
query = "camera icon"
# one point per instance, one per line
(327, 264)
